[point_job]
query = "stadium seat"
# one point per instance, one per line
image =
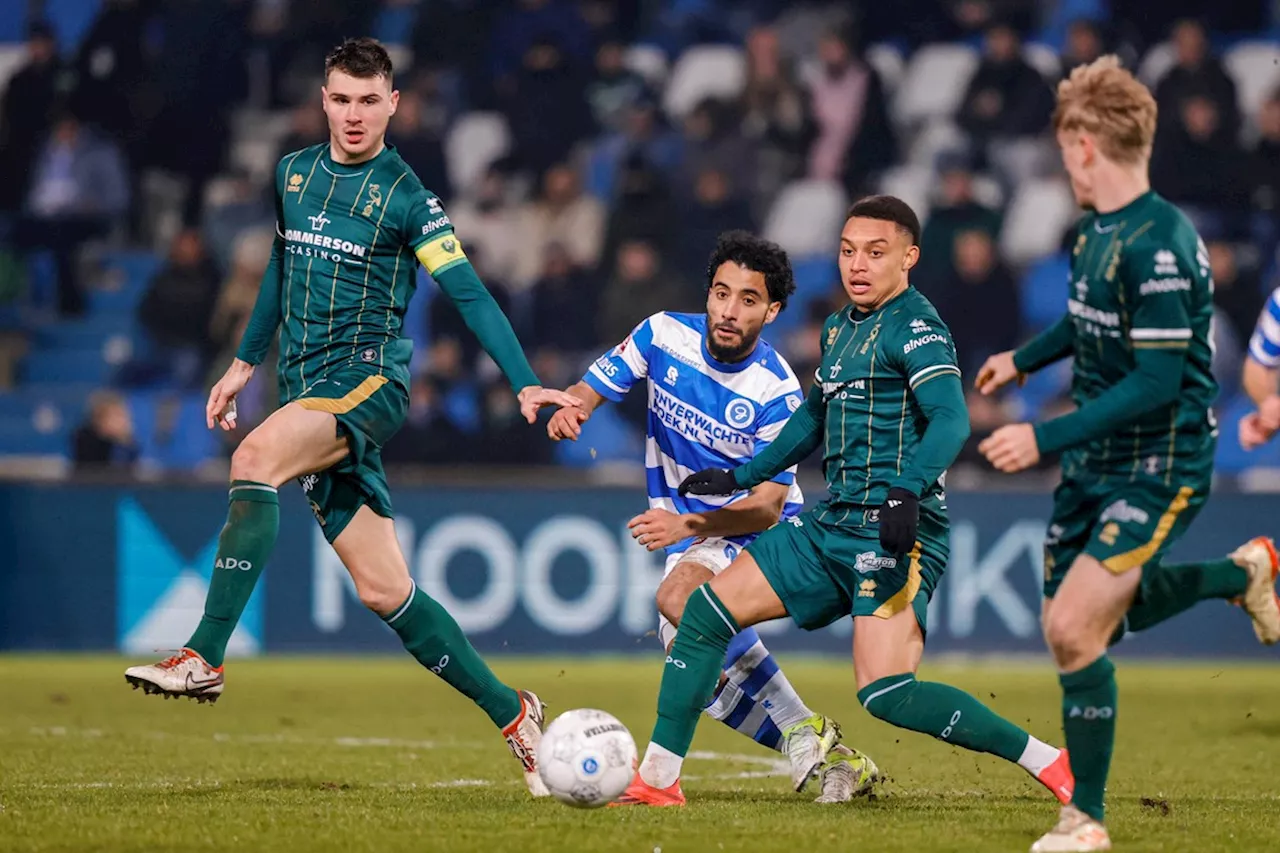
(393, 23)
(17, 438)
(649, 61)
(936, 136)
(1157, 62)
(912, 184)
(1044, 291)
(1038, 216)
(257, 156)
(66, 365)
(705, 71)
(1044, 59)
(71, 20)
(476, 140)
(805, 219)
(888, 62)
(1255, 67)
(934, 82)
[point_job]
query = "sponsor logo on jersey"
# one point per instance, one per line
(867, 589)
(919, 327)
(295, 183)
(319, 221)
(916, 343)
(433, 205)
(1123, 511)
(1163, 285)
(308, 482)
(1110, 319)
(672, 375)
(435, 224)
(319, 241)
(693, 424)
(1082, 288)
(1166, 263)
(739, 413)
(605, 366)
(870, 561)
(375, 199)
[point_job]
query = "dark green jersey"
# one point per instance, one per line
(348, 242)
(872, 366)
(1140, 279)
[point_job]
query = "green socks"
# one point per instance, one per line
(243, 549)
(1089, 720)
(1166, 591)
(693, 669)
(945, 712)
(432, 636)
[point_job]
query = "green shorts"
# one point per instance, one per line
(370, 409)
(822, 571)
(1122, 524)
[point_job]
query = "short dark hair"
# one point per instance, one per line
(888, 208)
(758, 255)
(361, 57)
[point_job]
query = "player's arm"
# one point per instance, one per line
(933, 377)
(1160, 334)
(1053, 344)
(610, 377)
(800, 437)
(1262, 366)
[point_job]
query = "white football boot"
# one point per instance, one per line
(1258, 558)
(523, 734)
(806, 744)
(1076, 832)
(184, 674)
(847, 774)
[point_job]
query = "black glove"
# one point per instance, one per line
(899, 520)
(710, 481)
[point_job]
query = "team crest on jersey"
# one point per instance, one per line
(374, 197)
(871, 338)
(450, 245)
(793, 402)
(739, 413)
(832, 334)
(368, 355)
(1114, 264)
(295, 183)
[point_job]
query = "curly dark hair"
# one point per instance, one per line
(361, 57)
(888, 208)
(758, 255)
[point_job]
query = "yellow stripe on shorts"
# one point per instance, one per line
(348, 401)
(1143, 553)
(903, 597)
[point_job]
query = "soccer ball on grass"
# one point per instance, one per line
(586, 758)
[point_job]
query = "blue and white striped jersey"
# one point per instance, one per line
(703, 413)
(1264, 346)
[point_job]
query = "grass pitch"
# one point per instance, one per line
(373, 754)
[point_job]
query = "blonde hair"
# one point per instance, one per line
(1105, 100)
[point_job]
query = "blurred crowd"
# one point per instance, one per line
(604, 204)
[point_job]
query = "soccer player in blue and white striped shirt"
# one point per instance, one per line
(1261, 371)
(718, 395)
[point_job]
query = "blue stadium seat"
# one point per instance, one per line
(610, 437)
(94, 331)
(394, 23)
(19, 438)
(1044, 291)
(175, 440)
(131, 272)
(69, 365)
(71, 20)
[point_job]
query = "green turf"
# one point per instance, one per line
(356, 754)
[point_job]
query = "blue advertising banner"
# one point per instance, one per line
(522, 570)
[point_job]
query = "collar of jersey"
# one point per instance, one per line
(1105, 219)
(352, 168)
(724, 366)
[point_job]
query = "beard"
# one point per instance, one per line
(731, 354)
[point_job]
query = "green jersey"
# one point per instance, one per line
(348, 241)
(1140, 281)
(872, 366)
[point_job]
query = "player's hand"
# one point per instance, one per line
(997, 372)
(1254, 431)
(1011, 448)
(221, 408)
(710, 481)
(567, 423)
(899, 522)
(534, 397)
(658, 528)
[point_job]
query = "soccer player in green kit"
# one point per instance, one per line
(1137, 453)
(353, 220)
(888, 412)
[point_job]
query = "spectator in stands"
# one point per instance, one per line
(547, 108)
(640, 286)
(1007, 98)
(775, 117)
(712, 141)
(614, 88)
(527, 23)
(561, 214)
(239, 206)
(643, 210)
(1264, 172)
(1237, 289)
(1084, 45)
(110, 70)
(1199, 167)
(1197, 72)
(175, 313)
(486, 222)
(105, 442)
(78, 191)
(979, 301)
(564, 306)
(714, 209)
(307, 126)
(954, 210)
(417, 131)
(27, 113)
(854, 137)
(645, 134)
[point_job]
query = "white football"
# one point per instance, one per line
(587, 758)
